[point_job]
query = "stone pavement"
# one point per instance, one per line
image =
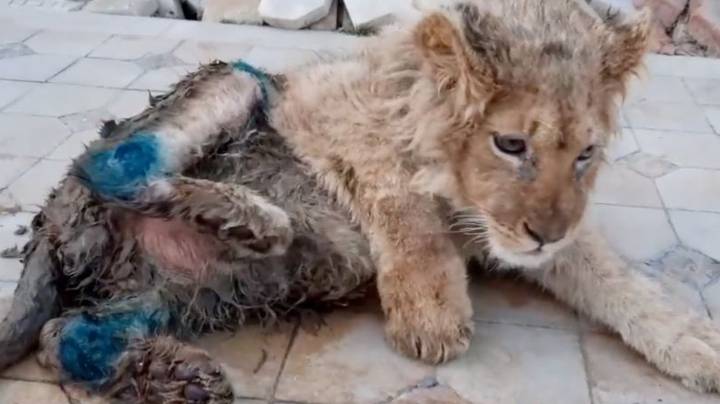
(660, 196)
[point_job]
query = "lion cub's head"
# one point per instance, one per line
(531, 89)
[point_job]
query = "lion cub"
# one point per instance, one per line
(479, 132)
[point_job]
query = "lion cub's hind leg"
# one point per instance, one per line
(126, 355)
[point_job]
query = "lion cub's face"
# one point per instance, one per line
(533, 88)
(527, 170)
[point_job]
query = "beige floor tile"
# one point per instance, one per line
(713, 116)
(705, 91)
(698, 230)
(194, 53)
(30, 136)
(13, 90)
(347, 361)
(31, 189)
(62, 99)
(28, 369)
(100, 73)
(34, 67)
(509, 364)
(65, 43)
(17, 392)
(251, 358)
(161, 79)
(513, 301)
(128, 103)
(691, 189)
(622, 145)
(619, 185)
(74, 145)
(667, 116)
(658, 88)
(279, 60)
(682, 149)
(12, 167)
(636, 233)
(620, 376)
(684, 66)
(129, 47)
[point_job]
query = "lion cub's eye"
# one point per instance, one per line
(587, 153)
(510, 144)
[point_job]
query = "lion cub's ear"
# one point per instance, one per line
(625, 43)
(449, 62)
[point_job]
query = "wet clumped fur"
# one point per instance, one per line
(475, 134)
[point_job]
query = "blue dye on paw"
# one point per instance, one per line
(122, 170)
(259, 75)
(90, 345)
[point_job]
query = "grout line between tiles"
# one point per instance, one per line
(281, 370)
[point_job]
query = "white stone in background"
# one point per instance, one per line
(330, 21)
(371, 13)
(143, 8)
(170, 9)
(293, 14)
(233, 11)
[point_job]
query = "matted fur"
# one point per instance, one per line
(382, 164)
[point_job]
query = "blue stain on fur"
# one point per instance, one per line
(262, 78)
(122, 170)
(90, 345)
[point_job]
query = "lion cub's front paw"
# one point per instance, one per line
(695, 357)
(433, 335)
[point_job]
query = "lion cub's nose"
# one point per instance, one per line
(546, 233)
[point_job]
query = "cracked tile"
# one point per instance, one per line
(12, 167)
(251, 357)
(14, 50)
(34, 67)
(100, 73)
(339, 363)
(12, 33)
(53, 100)
(688, 266)
(699, 231)
(682, 149)
(620, 225)
(511, 364)
(130, 47)
(620, 376)
(649, 165)
(31, 189)
(74, 145)
(619, 185)
(713, 116)
(65, 42)
(13, 90)
(30, 136)
(509, 300)
(691, 189)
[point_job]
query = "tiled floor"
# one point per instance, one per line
(659, 196)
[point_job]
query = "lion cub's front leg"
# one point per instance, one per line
(597, 282)
(421, 281)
